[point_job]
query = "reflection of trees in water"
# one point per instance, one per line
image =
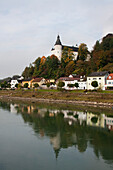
(63, 135)
(102, 143)
(5, 106)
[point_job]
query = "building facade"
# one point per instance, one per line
(100, 77)
(109, 83)
(58, 47)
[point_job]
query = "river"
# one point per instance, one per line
(43, 137)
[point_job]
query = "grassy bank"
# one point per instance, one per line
(78, 95)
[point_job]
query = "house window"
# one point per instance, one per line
(109, 82)
(99, 78)
(89, 78)
(94, 78)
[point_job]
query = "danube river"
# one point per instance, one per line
(39, 137)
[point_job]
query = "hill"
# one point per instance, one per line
(101, 59)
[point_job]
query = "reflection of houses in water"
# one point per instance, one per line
(13, 108)
(109, 123)
(96, 120)
(70, 116)
(82, 117)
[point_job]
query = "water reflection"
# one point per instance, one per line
(67, 128)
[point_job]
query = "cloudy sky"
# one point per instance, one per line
(28, 28)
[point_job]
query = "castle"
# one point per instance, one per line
(58, 47)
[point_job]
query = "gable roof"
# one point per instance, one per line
(68, 78)
(37, 79)
(75, 49)
(110, 77)
(98, 74)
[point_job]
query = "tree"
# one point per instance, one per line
(76, 85)
(94, 84)
(36, 67)
(16, 85)
(70, 67)
(60, 84)
(19, 86)
(36, 85)
(4, 84)
(97, 46)
(67, 55)
(48, 84)
(28, 72)
(83, 52)
(8, 85)
(26, 85)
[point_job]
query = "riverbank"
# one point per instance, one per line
(54, 96)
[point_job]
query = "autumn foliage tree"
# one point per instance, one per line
(101, 59)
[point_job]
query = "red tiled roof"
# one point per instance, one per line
(110, 77)
(37, 80)
(68, 78)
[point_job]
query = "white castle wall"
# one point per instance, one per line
(57, 51)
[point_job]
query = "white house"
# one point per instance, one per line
(13, 83)
(58, 47)
(100, 77)
(109, 83)
(72, 80)
(82, 85)
(15, 80)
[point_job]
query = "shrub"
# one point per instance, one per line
(48, 84)
(36, 85)
(94, 84)
(76, 85)
(61, 84)
(26, 85)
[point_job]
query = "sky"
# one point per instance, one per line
(28, 28)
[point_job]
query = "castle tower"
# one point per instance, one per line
(57, 50)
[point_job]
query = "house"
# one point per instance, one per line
(95, 120)
(39, 81)
(15, 80)
(109, 83)
(29, 81)
(58, 47)
(109, 123)
(71, 80)
(13, 83)
(51, 81)
(100, 77)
